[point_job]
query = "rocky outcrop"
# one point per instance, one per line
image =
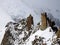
(29, 22)
(43, 21)
(46, 22)
(52, 24)
(14, 31)
(58, 33)
(7, 34)
(38, 41)
(5, 40)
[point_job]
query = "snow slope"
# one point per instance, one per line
(46, 34)
(4, 19)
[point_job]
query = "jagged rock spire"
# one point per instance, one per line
(29, 22)
(43, 20)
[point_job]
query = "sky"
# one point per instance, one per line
(51, 4)
(35, 7)
(48, 5)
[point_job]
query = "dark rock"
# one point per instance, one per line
(29, 22)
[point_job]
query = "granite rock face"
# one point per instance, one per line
(58, 33)
(5, 40)
(43, 20)
(29, 22)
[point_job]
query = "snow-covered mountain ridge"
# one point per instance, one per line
(17, 10)
(18, 34)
